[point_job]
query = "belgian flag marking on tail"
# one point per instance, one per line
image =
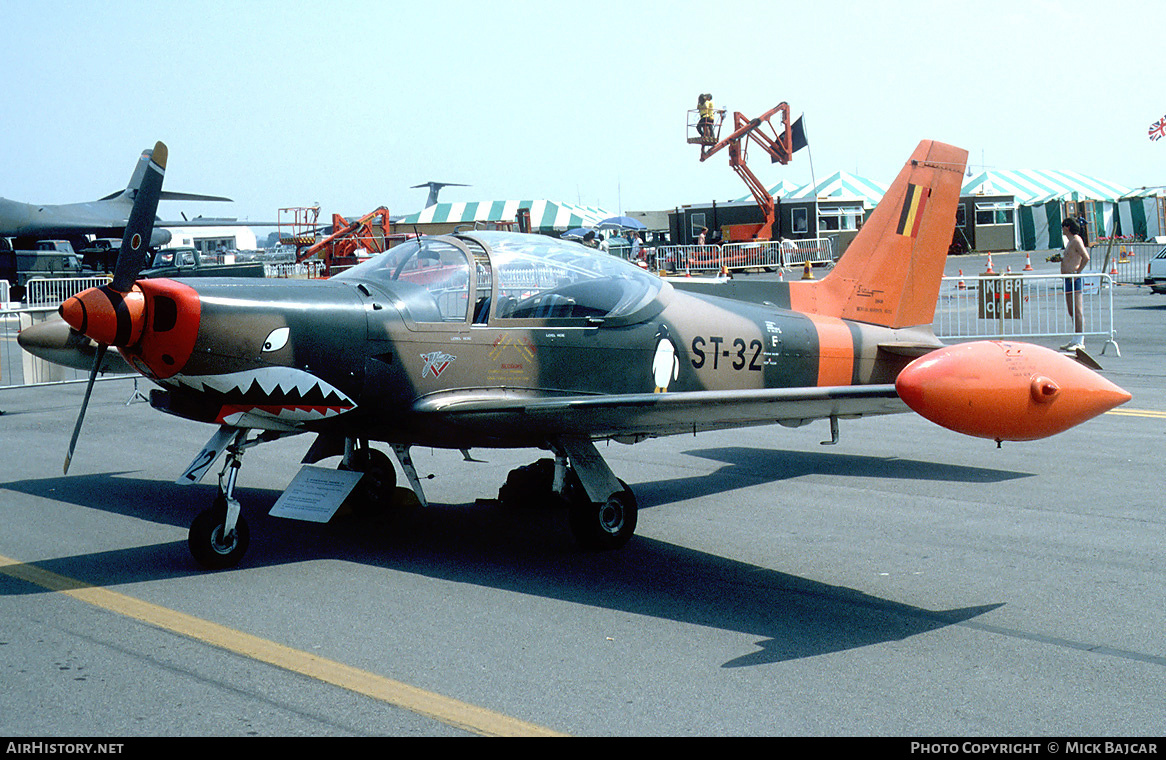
(912, 212)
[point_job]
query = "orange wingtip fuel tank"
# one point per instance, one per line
(1005, 391)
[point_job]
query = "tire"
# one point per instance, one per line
(602, 526)
(207, 545)
(378, 482)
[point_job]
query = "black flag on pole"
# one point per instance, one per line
(798, 135)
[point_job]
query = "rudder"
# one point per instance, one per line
(891, 272)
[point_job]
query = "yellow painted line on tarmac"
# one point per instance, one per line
(1138, 413)
(449, 711)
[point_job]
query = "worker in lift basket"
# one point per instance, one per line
(707, 112)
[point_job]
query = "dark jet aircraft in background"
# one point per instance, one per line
(30, 222)
(495, 339)
(434, 189)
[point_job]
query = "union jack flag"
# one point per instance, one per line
(1158, 129)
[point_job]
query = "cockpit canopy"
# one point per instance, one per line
(485, 277)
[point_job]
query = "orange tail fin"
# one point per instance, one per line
(891, 272)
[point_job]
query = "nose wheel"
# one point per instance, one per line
(212, 544)
(219, 536)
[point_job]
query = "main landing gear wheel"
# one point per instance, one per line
(601, 525)
(209, 546)
(376, 488)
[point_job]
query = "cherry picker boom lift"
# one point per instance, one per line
(776, 140)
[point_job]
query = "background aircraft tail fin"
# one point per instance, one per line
(891, 272)
(135, 184)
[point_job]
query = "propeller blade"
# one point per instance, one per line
(84, 404)
(136, 239)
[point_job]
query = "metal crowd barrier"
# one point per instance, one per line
(17, 366)
(1023, 306)
(42, 296)
(789, 253)
(759, 254)
(1127, 261)
(52, 291)
(310, 270)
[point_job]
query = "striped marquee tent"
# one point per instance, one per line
(545, 216)
(782, 189)
(838, 186)
(1040, 195)
(1034, 186)
(1142, 213)
(842, 185)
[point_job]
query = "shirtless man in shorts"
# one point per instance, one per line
(1076, 258)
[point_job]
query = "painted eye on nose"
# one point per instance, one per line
(277, 339)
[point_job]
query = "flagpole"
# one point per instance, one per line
(813, 179)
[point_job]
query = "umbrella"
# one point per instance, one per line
(578, 232)
(621, 223)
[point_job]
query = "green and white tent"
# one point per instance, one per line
(1035, 186)
(1139, 215)
(1040, 195)
(843, 185)
(838, 186)
(1040, 225)
(781, 190)
(545, 216)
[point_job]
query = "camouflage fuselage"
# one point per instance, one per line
(297, 355)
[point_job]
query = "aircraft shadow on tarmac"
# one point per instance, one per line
(752, 466)
(529, 551)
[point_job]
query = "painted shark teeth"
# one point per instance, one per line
(270, 397)
(273, 382)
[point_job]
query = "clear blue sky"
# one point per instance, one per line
(349, 103)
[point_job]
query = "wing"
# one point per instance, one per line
(507, 415)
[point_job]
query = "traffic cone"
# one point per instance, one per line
(1113, 269)
(1027, 263)
(808, 272)
(989, 269)
(961, 285)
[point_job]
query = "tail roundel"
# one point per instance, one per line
(891, 272)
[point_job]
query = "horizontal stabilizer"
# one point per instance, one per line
(908, 348)
(167, 195)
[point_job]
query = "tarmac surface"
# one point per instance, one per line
(907, 581)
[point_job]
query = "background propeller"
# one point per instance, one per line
(105, 314)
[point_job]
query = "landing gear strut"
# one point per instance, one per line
(601, 509)
(380, 477)
(219, 536)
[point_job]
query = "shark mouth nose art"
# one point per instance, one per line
(270, 397)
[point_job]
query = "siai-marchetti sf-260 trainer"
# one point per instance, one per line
(492, 339)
